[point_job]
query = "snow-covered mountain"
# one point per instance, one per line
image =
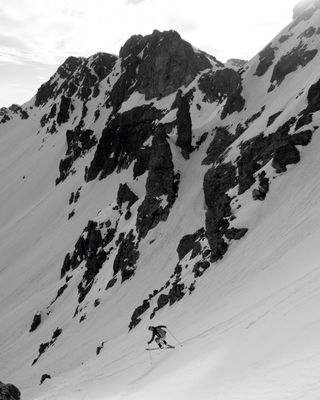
(164, 187)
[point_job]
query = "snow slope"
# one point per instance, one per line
(250, 328)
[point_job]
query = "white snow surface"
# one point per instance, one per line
(251, 328)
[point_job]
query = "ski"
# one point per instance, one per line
(163, 348)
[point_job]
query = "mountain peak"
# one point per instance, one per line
(158, 64)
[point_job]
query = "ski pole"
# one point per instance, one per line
(174, 337)
(150, 355)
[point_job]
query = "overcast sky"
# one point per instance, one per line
(36, 36)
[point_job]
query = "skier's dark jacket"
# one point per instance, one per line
(155, 332)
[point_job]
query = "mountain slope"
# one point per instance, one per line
(161, 186)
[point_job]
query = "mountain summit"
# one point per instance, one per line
(163, 187)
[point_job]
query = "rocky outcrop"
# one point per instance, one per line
(160, 186)
(64, 110)
(168, 64)
(298, 56)
(79, 142)
(127, 256)
(44, 346)
(220, 84)
(285, 155)
(266, 57)
(190, 243)
(90, 250)
(135, 318)
(77, 75)
(122, 142)
(35, 322)
(261, 192)
(9, 392)
(156, 65)
(223, 84)
(126, 195)
(44, 377)
(217, 181)
(184, 126)
(221, 141)
(6, 114)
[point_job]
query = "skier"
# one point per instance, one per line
(159, 335)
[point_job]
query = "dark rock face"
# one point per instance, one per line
(221, 141)
(68, 68)
(122, 142)
(273, 117)
(6, 114)
(266, 57)
(35, 323)
(235, 103)
(299, 56)
(184, 126)
(190, 243)
(79, 142)
(254, 154)
(49, 89)
(172, 63)
(156, 65)
(89, 249)
(285, 155)
(127, 256)
(79, 75)
(44, 377)
(44, 346)
(261, 192)
(314, 97)
(160, 185)
(137, 313)
(63, 114)
(221, 84)
(9, 392)
(217, 181)
(126, 195)
(200, 267)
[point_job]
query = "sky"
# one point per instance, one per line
(36, 36)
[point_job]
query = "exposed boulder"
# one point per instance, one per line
(44, 377)
(9, 392)
(285, 155)
(190, 243)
